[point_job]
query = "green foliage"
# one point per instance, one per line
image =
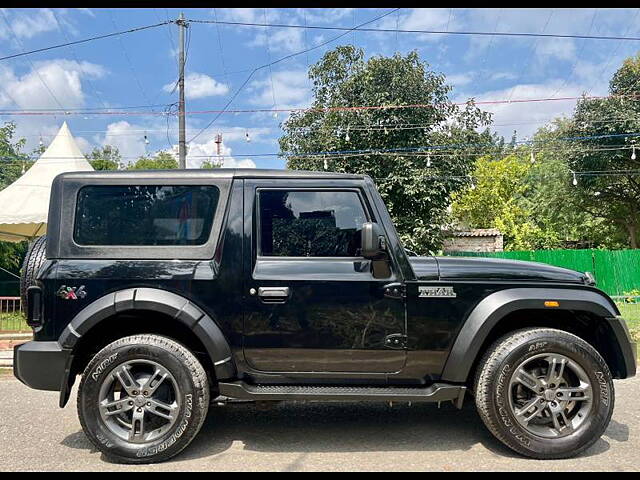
(614, 198)
(209, 165)
(13, 322)
(417, 195)
(105, 158)
(162, 161)
(12, 160)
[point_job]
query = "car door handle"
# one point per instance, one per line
(274, 294)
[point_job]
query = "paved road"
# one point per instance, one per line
(36, 435)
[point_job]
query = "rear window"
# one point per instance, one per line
(145, 215)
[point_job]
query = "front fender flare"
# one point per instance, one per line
(496, 306)
(162, 301)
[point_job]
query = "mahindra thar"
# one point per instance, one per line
(166, 291)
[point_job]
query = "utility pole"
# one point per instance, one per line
(182, 143)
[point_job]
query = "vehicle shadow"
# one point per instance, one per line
(353, 427)
(347, 427)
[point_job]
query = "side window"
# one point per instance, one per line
(310, 223)
(145, 215)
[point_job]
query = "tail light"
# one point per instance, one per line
(34, 307)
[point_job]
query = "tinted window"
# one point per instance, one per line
(145, 215)
(310, 224)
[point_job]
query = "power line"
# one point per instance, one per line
(433, 32)
(33, 68)
(131, 67)
(73, 52)
(281, 59)
(633, 97)
(575, 63)
(85, 40)
(491, 148)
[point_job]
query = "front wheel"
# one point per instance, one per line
(544, 393)
(143, 399)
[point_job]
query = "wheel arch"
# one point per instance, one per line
(145, 310)
(585, 313)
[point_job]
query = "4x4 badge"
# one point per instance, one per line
(71, 293)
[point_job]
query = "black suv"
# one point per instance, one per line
(169, 290)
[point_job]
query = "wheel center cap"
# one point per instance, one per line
(139, 401)
(549, 394)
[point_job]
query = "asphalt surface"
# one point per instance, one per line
(36, 435)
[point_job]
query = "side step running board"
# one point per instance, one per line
(437, 392)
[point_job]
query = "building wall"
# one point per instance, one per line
(492, 243)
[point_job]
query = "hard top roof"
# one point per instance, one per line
(210, 173)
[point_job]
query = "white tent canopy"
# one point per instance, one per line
(24, 204)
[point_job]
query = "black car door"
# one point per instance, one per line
(311, 301)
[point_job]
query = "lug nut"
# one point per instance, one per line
(559, 394)
(148, 404)
(145, 393)
(135, 392)
(139, 409)
(553, 404)
(130, 403)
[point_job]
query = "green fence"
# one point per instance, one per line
(616, 271)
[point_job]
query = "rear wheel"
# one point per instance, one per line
(544, 393)
(143, 399)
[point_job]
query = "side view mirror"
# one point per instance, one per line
(374, 243)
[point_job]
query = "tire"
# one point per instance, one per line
(33, 260)
(501, 390)
(140, 355)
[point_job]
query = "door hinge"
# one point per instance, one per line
(395, 340)
(394, 290)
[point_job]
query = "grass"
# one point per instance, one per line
(631, 313)
(13, 322)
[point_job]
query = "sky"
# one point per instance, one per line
(140, 69)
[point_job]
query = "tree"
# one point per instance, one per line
(416, 188)
(106, 157)
(12, 160)
(614, 197)
(210, 165)
(531, 203)
(496, 200)
(162, 161)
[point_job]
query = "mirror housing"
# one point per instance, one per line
(373, 241)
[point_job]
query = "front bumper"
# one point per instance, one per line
(40, 365)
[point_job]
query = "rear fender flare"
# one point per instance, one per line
(486, 315)
(162, 301)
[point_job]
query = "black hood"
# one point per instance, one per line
(482, 268)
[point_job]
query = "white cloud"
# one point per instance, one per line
(199, 85)
(61, 79)
(28, 25)
(118, 134)
(420, 19)
(459, 79)
(280, 40)
(291, 89)
(245, 15)
(526, 118)
(199, 152)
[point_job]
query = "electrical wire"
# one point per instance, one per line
(632, 97)
(421, 31)
(85, 40)
(33, 68)
(281, 59)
